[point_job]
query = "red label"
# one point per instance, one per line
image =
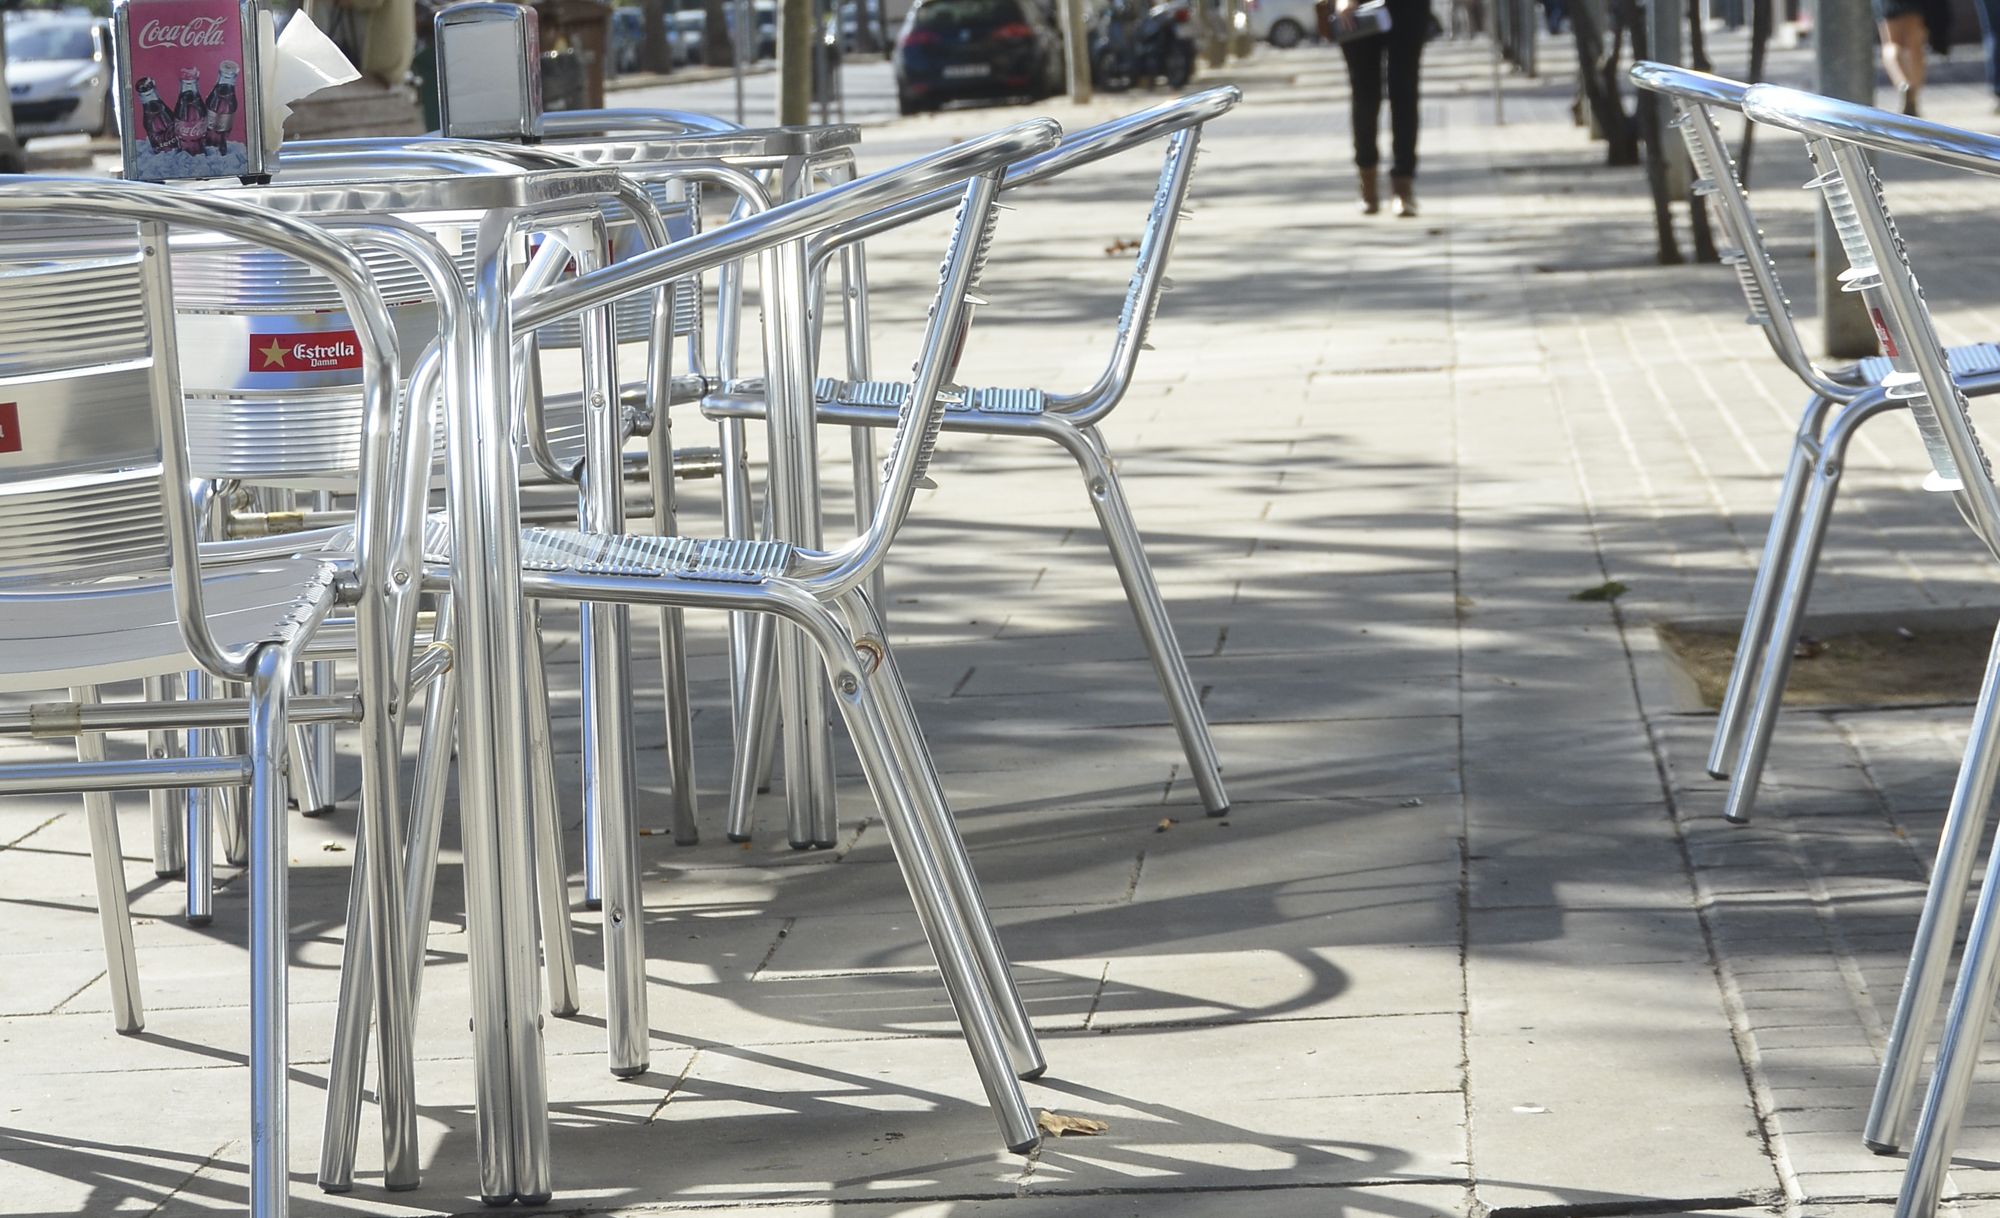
(1882, 332)
(10, 427)
(321, 351)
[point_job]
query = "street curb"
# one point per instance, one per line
(683, 76)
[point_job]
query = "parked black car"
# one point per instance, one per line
(953, 49)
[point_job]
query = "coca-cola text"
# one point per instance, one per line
(195, 32)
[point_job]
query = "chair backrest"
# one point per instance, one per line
(79, 450)
(1879, 270)
(1696, 97)
(77, 321)
(271, 364)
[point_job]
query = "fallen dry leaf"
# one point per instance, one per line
(1056, 1124)
(1166, 823)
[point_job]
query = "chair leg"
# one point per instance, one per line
(269, 950)
(914, 758)
(357, 992)
(737, 511)
(552, 872)
(1142, 592)
(608, 786)
(169, 849)
(114, 910)
(1770, 577)
(311, 782)
(230, 801)
(754, 728)
(341, 1132)
(1958, 1057)
(673, 642)
(1776, 663)
(198, 836)
(864, 698)
(1930, 955)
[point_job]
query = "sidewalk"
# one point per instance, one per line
(1472, 939)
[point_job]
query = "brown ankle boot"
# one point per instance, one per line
(1371, 200)
(1405, 190)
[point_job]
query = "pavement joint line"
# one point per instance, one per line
(57, 1009)
(13, 842)
(777, 940)
(817, 1205)
(1132, 884)
(193, 1174)
(1761, 1099)
(674, 1088)
(1097, 996)
(1618, 1209)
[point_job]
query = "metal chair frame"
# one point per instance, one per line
(1839, 135)
(1840, 401)
(608, 570)
(369, 579)
(1068, 420)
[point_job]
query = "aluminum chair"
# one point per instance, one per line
(1839, 136)
(1841, 400)
(102, 565)
(1068, 420)
(824, 595)
(808, 587)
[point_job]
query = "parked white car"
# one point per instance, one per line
(59, 76)
(1282, 23)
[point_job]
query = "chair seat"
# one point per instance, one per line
(122, 632)
(990, 400)
(726, 561)
(1978, 359)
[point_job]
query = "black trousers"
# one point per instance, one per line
(1394, 55)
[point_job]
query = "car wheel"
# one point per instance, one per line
(905, 104)
(1286, 34)
(105, 115)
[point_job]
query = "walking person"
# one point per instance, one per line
(1988, 12)
(1372, 59)
(1906, 27)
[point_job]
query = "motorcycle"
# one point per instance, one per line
(1130, 44)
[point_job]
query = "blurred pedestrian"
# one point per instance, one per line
(1390, 57)
(1905, 29)
(1989, 31)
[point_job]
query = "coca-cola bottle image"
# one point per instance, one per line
(222, 105)
(155, 119)
(190, 118)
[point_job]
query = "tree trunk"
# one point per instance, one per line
(1650, 128)
(717, 51)
(795, 61)
(1600, 87)
(655, 55)
(1760, 43)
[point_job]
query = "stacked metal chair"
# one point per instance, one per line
(1070, 421)
(818, 589)
(1839, 136)
(1839, 402)
(104, 575)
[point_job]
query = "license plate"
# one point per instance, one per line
(962, 71)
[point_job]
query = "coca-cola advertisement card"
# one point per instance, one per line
(187, 89)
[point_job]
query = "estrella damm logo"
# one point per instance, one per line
(320, 351)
